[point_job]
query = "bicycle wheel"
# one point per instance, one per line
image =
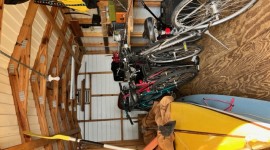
(175, 53)
(178, 78)
(156, 73)
(197, 13)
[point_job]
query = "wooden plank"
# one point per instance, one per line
(19, 82)
(54, 102)
(7, 109)
(58, 30)
(6, 89)
(64, 109)
(99, 34)
(98, 52)
(76, 29)
(136, 34)
(6, 99)
(41, 142)
(1, 16)
(139, 21)
(66, 57)
(9, 131)
(112, 44)
(39, 83)
(92, 34)
(8, 120)
(57, 49)
(242, 70)
(99, 44)
(6, 142)
(82, 95)
(88, 21)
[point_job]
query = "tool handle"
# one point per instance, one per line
(104, 145)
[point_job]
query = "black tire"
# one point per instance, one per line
(175, 53)
(202, 16)
(177, 78)
(14, 2)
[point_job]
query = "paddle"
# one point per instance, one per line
(72, 139)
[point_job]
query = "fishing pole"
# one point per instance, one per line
(72, 139)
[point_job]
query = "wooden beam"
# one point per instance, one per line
(38, 83)
(76, 29)
(66, 58)
(136, 34)
(68, 101)
(58, 30)
(63, 110)
(82, 95)
(89, 21)
(57, 49)
(100, 45)
(19, 75)
(98, 52)
(53, 104)
(41, 142)
(68, 19)
(99, 34)
(92, 34)
(107, 72)
(138, 21)
(112, 45)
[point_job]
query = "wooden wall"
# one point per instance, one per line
(244, 69)
(12, 20)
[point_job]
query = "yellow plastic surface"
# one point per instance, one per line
(204, 129)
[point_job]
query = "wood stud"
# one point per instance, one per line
(18, 75)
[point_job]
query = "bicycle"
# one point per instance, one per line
(147, 82)
(190, 19)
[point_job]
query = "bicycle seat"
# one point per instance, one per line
(149, 26)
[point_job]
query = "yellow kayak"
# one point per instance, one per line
(204, 128)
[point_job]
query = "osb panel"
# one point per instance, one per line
(243, 70)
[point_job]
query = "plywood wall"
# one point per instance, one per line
(9, 128)
(11, 23)
(243, 70)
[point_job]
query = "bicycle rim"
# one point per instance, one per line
(178, 78)
(194, 13)
(175, 53)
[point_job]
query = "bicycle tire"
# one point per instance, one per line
(154, 74)
(178, 78)
(179, 10)
(175, 53)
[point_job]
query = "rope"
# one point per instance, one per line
(8, 56)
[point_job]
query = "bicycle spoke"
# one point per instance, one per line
(197, 13)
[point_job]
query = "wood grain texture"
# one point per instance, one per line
(243, 70)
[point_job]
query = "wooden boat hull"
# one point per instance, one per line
(205, 128)
(252, 108)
